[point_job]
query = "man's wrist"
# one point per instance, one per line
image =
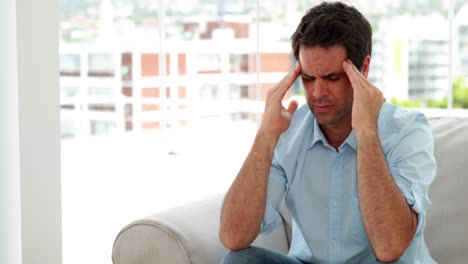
(267, 139)
(366, 133)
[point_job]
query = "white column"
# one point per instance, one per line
(174, 85)
(192, 84)
(83, 128)
(224, 82)
(117, 84)
(136, 88)
(10, 202)
(29, 133)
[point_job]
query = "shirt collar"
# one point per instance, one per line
(351, 140)
(319, 136)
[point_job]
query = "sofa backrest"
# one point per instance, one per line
(446, 232)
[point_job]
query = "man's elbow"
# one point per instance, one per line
(389, 254)
(392, 247)
(234, 246)
(232, 243)
(388, 257)
(236, 237)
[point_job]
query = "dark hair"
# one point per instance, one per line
(328, 24)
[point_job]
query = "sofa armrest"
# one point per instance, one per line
(182, 235)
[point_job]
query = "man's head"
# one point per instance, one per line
(327, 35)
(328, 24)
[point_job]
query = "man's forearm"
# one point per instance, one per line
(244, 204)
(390, 223)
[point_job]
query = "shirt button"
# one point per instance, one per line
(333, 242)
(334, 203)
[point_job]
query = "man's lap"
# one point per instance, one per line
(258, 255)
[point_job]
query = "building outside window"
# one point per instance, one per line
(160, 100)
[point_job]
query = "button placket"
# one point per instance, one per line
(333, 204)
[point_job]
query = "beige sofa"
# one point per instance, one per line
(189, 234)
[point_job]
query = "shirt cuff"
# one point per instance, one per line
(419, 202)
(270, 221)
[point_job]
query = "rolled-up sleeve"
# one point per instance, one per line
(275, 193)
(413, 167)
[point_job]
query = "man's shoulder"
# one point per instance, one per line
(396, 123)
(298, 132)
(301, 120)
(302, 112)
(397, 120)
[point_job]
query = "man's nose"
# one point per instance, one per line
(319, 89)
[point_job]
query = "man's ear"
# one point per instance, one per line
(366, 65)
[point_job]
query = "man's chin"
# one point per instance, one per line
(325, 122)
(324, 119)
(331, 119)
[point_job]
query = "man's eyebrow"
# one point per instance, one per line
(307, 76)
(332, 74)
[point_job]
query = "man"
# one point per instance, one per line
(354, 170)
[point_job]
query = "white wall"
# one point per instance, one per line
(30, 203)
(10, 220)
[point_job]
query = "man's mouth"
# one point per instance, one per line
(322, 108)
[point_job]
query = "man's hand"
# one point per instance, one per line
(276, 119)
(367, 100)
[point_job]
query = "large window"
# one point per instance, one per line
(160, 100)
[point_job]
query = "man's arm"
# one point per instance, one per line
(390, 222)
(244, 205)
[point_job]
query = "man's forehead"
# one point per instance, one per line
(333, 61)
(318, 60)
(336, 49)
(313, 68)
(331, 53)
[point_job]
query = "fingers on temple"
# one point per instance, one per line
(283, 86)
(289, 79)
(355, 76)
(349, 70)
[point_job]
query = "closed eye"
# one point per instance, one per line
(334, 76)
(307, 78)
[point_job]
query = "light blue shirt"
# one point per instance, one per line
(319, 185)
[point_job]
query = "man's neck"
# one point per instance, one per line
(336, 134)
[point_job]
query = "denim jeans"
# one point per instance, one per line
(257, 255)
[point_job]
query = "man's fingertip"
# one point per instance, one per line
(345, 65)
(298, 65)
